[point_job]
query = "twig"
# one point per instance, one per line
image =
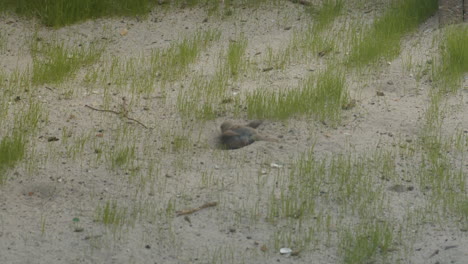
(117, 113)
(193, 210)
(302, 2)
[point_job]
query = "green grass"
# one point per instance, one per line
(58, 13)
(113, 216)
(345, 180)
(440, 172)
(12, 150)
(162, 66)
(13, 146)
(56, 62)
(454, 59)
(63, 12)
(3, 42)
(326, 13)
(307, 43)
(321, 96)
(367, 243)
(335, 201)
(383, 37)
(122, 157)
(18, 80)
(235, 56)
(206, 99)
(173, 62)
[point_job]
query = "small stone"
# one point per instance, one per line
(274, 165)
(232, 230)
(287, 28)
(79, 229)
(147, 246)
(380, 93)
(123, 32)
(390, 82)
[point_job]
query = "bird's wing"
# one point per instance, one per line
(230, 133)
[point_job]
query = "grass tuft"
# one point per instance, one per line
(454, 58)
(54, 63)
(235, 57)
(366, 243)
(163, 65)
(326, 13)
(12, 149)
(63, 12)
(383, 38)
(321, 96)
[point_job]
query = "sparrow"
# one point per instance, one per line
(237, 136)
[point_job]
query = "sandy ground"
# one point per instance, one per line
(38, 205)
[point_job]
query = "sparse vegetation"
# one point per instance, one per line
(383, 37)
(320, 95)
(62, 12)
(54, 62)
(12, 150)
(454, 58)
(326, 13)
(355, 183)
(163, 65)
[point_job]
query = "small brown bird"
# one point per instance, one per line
(238, 136)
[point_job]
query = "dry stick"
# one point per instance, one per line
(117, 113)
(191, 211)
